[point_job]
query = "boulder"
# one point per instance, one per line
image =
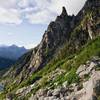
(42, 92)
(81, 69)
(65, 84)
(56, 92)
(51, 98)
(49, 93)
(91, 88)
(87, 68)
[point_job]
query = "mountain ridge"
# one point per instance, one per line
(12, 52)
(9, 55)
(68, 42)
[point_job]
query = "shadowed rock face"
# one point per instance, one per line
(92, 3)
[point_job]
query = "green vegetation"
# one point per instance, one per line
(98, 68)
(86, 77)
(69, 64)
(72, 77)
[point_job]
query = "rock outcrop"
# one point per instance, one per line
(87, 89)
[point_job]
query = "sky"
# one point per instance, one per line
(23, 22)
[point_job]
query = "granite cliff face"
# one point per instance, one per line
(68, 43)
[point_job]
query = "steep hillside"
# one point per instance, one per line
(9, 55)
(68, 43)
(4, 63)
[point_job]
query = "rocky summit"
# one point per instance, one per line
(65, 65)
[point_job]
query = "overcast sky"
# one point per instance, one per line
(23, 22)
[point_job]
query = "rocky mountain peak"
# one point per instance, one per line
(64, 12)
(58, 29)
(63, 16)
(55, 35)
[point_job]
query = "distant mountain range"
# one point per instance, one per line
(9, 54)
(12, 52)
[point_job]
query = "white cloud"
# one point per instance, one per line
(74, 6)
(41, 17)
(11, 16)
(35, 11)
(23, 3)
(31, 45)
(47, 10)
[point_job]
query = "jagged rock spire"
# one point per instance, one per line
(64, 12)
(63, 16)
